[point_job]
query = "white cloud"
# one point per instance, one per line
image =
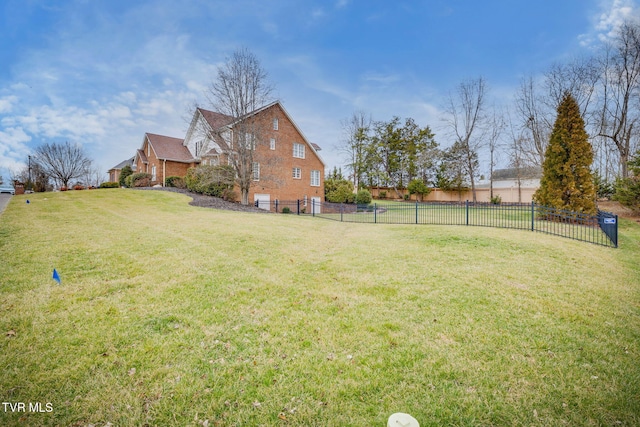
(6, 103)
(612, 14)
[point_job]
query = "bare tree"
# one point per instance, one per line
(620, 106)
(578, 77)
(465, 118)
(355, 146)
(240, 88)
(496, 125)
(62, 162)
(535, 118)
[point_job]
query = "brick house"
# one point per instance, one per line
(114, 172)
(161, 157)
(286, 166)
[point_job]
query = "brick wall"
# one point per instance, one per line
(276, 166)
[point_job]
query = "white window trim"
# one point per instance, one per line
(297, 173)
(272, 144)
(275, 124)
(255, 171)
(298, 151)
(315, 178)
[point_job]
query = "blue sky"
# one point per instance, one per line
(104, 72)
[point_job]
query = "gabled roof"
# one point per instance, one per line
(143, 157)
(227, 121)
(169, 148)
(123, 163)
(215, 120)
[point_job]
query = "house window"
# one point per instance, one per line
(297, 173)
(298, 150)
(275, 124)
(305, 201)
(198, 148)
(315, 178)
(153, 173)
(255, 169)
(272, 143)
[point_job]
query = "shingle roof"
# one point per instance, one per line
(143, 156)
(122, 164)
(169, 148)
(215, 120)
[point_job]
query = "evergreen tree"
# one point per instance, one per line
(567, 182)
(124, 173)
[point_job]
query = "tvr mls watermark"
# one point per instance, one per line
(27, 407)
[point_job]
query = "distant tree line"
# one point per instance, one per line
(604, 87)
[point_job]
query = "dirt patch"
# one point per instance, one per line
(208, 201)
(618, 209)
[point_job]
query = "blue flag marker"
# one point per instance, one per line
(28, 201)
(56, 276)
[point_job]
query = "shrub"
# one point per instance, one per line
(140, 179)
(417, 186)
(628, 189)
(229, 195)
(382, 194)
(496, 200)
(211, 180)
(78, 187)
(286, 210)
(110, 185)
(124, 174)
(363, 197)
(175, 181)
(339, 191)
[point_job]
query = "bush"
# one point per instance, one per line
(139, 179)
(175, 181)
(417, 186)
(628, 189)
(110, 185)
(214, 181)
(382, 194)
(229, 195)
(125, 173)
(496, 200)
(363, 197)
(286, 210)
(78, 187)
(339, 191)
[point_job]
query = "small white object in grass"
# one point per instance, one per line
(400, 419)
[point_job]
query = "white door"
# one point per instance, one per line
(315, 205)
(264, 201)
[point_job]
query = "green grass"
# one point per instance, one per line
(174, 315)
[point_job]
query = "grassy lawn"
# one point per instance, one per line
(173, 315)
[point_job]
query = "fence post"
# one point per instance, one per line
(375, 213)
(298, 206)
(313, 207)
(416, 211)
(533, 215)
(341, 210)
(466, 204)
(276, 205)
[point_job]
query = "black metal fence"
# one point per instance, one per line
(600, 229)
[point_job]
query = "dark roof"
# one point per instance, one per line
(215, 120)
(169, 148)
(143, 156)
(123, 163)
(527, 172)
